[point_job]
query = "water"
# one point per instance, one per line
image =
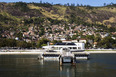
(99, 65)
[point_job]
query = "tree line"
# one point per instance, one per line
(106, 42)
(4, 42)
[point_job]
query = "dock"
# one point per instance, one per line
(64, 56)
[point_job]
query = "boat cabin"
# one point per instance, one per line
(72, 46)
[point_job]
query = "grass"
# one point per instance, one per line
(46, 13)
(85, 10)
(108, 9)
(112, 20)
(9, 16)
(61, 9)
(89, 20)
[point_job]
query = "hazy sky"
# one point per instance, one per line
(84, 2)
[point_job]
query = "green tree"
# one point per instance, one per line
(22, 6)
(74, 37)
(90, 37)
(21, 44)
(68, 37)
(42, 42)
(19, 35)
(55, 41)
(7, 42)
(107, 42)
(88, 45)
(97, 39)
(114, 46)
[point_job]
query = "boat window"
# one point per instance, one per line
(70, 48)
(64, 44)
(74, 47)
(55, 48)
(79, 47)
(60, 44)
(70, 44)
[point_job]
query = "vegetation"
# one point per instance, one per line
(68, 13)
(42, 42)
(13, 43)
(107, 42)
(17, 18)
(21, 6)
(22, 44)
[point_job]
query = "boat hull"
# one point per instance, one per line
(67, 59)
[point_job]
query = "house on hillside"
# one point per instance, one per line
(69, 41)
(103, 35)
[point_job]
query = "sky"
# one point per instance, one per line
(84, 2)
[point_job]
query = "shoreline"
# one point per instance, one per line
(18, 53)
(101, 52)
(40, 51)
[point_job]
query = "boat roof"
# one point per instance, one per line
(65, 44)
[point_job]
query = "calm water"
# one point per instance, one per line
(100, 65)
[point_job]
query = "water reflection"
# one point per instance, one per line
(102, 65)
(68, 70)
(85, 66)
(41, 61)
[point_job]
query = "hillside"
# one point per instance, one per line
(71, 14)
(31, 22)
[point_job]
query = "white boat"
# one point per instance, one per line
(74, 47)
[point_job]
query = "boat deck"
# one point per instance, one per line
(53, 55)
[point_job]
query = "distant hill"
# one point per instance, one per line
(29, 23)
(21, 14)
